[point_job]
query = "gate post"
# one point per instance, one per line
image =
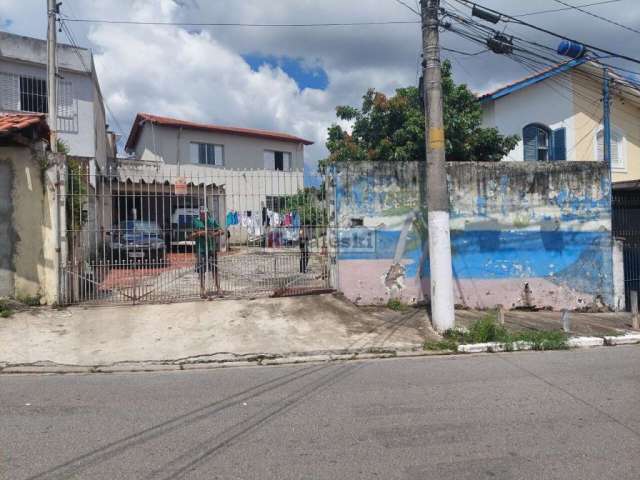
(60, 229)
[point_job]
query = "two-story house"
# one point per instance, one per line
(257, 169)
(558, 114)
(81, 114)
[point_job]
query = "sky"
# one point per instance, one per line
(287, 79)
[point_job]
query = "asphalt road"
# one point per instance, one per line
(560, 415)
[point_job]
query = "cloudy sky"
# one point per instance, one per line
(286, 79)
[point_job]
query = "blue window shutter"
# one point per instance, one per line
(530, 141)
(559, 144)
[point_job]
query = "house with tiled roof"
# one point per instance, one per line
(558, 114)
(259, 169)
(174, 141)
(81, 112)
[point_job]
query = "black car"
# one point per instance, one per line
(136, 240)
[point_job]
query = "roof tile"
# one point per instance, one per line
(174, 122)
(16, 122)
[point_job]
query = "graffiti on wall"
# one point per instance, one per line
(523, 234)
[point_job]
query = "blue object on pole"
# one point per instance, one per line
(606, 105)
(571, 49)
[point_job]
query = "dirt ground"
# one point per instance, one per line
(586, 324)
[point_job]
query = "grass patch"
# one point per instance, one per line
(396, 305)
(439, 345)
(5, 311)
(542, 340)
(488, 330)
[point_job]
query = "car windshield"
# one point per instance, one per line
(141, 226)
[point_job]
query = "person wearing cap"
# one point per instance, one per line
(206, 232)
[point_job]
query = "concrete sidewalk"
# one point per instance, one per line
(273, 330)
(205, 331)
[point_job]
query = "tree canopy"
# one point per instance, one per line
(392, 128)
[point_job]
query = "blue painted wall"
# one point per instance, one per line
(523, 234)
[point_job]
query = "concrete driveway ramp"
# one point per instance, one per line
(201, 330)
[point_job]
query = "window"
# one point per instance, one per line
(277, 160)
(277, 204)
(542, 144)
(67, 118)
(207, 154)
(9, 92)
(618, 160)
(33, 94)
(29, 94)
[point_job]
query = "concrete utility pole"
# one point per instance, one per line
(442, 308)
(52, 84)
(606, 116)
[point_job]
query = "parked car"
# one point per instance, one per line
(136, 240)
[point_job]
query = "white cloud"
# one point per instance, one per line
(202, 75)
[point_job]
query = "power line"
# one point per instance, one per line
(238, 24)
(408, 6)
(74, 44)
(468, 54)
(599, 17)
(535, 55)
(548, 32)
(564, 9)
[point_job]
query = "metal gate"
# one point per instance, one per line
(626, 227)
(149, 233)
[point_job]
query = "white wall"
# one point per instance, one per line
(161, 143)
(81, 137)
(549, 102)
(244, 189)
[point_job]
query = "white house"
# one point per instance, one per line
(172, 141)
(558, 114)
(81, 114)
(258, 168)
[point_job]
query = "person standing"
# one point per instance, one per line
(304, 250)
(206, 233)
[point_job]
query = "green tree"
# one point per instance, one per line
(309, 203)
(392, 128)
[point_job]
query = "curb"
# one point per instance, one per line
(573, 342)
(626, 339)
(228, 360)
(208, 362)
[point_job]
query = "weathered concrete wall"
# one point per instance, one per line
(7, 235)
(523, 234)
(28, 222)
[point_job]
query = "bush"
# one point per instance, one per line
(5, 311)
(396, 305)
(487, 330)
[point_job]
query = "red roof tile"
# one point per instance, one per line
(174, 122)
(16, 122)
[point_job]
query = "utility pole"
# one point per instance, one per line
(606, 115)
(442, 308)
(52, 84)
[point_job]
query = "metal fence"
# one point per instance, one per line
(626, 227)
(149, 233)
